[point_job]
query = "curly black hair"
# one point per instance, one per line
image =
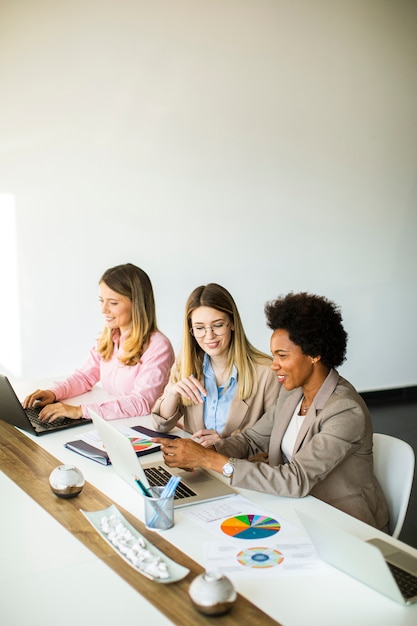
(313, 322)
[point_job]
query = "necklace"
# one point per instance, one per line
(305, 408)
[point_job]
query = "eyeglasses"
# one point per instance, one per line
(217, 329)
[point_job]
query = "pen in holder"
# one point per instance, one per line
(159, 504)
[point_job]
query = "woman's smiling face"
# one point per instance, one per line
(116, 309)
(212, 320)
(292, 367)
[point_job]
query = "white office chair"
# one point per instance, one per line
(394, 468)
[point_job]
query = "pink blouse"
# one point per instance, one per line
(135, 387)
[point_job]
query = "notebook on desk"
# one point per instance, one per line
(91, 446)
(196, 486)
(12, 412)
(377, 563)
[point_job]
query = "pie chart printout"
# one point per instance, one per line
(250, 527)
(260, 557)
(141, 444)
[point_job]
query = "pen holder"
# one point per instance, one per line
(159, 512)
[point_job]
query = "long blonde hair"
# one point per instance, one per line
(132, 282)
(241, 352)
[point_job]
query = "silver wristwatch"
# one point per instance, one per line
(228, 468)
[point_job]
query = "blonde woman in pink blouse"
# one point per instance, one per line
(131, 359)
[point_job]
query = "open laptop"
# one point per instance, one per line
(377, 563)
(196, 486)
(12, 412)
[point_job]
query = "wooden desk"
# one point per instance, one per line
(56, 580)
(316, 600)
(28, 466)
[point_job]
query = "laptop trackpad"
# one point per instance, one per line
(195, 477)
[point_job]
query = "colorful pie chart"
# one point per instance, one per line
(260, 557)
(250, 526)
(141, 444)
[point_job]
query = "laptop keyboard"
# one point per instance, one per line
(33, 415)
(405, 581)
(158, 477)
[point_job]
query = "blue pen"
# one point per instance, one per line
(166, 492)
(170, 487)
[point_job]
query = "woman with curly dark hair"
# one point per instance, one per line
(317, 438)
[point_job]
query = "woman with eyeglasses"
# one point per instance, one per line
(131, 358)
(317, 438)
(220, 384)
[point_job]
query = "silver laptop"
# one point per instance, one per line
(377, 563)
(196, 486)
(12, 412)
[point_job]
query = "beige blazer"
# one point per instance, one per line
(332, 458)
(242, 415)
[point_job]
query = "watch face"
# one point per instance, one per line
(228, 469)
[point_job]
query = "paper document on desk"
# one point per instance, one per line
(239, 517)
(251, 541)
(294, 557)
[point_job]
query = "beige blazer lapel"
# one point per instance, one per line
(195, 417)
(237, 413)
(322, 396)
(284, 411)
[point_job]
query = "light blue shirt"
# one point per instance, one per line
(218, 400)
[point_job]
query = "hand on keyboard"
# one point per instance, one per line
(57, 410)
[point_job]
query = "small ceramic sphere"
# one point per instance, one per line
(66, 481)
(212, 593)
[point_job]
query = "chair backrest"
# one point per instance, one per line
(394, 468)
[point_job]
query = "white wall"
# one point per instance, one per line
(266, 145)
